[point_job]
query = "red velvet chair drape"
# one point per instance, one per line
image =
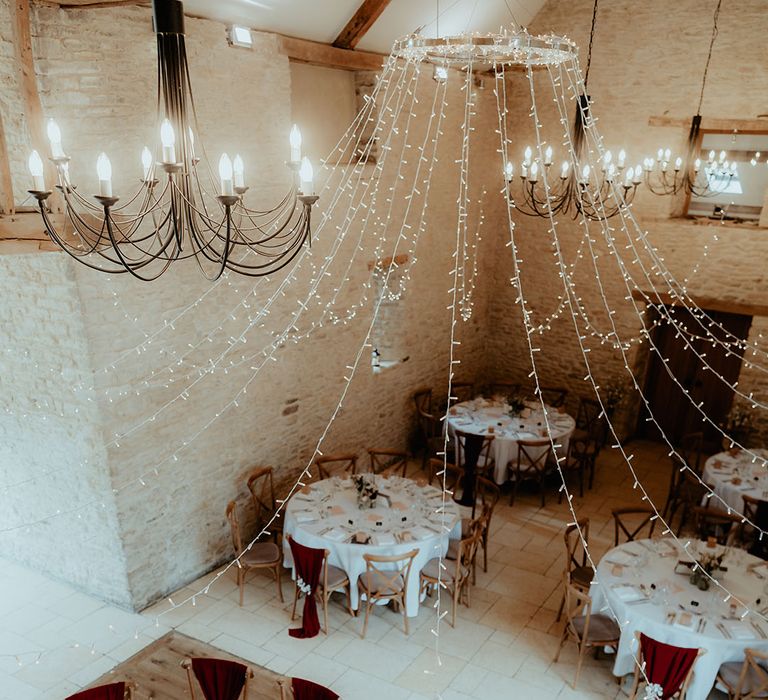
(113, 691)
(307, 690)
(307, 566)
(219, 679)
(665, 665)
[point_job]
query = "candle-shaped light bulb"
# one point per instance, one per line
(509, 171)
(648, 162)
(697, 165)
(733, 167)
(54, 136)
(610, 172)
(660, 154)
(564, 170)
(104, 171)
(36, 171)
(678, 163)
(667, 154)
(629, 176)
(638, 174)
(711, 156)
(722, 156)
(548, 156)
(146, 163)
(622, 157)
(607, 158)
(168, 139)
(225, 175)
(585, 173)
(528, 153)
(238, 168)
(306, 176)
(295, 140)
(534, 176)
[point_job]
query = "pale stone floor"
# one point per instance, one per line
(502, 647)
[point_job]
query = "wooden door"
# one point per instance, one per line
(675, 412)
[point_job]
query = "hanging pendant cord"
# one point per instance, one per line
(709, 55)
(591, 39)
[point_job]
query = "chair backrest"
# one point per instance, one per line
(630, 524)
(388, 461)
(453, 474)
(423, 401)
(234, 526)
(462, 391)
(468, 547)
(692, 490)
(528, 461)
(755, 662)
(713, 522)
(306, 559)
(690, 449)
(577, 604)
(589, 419)
(574, 545)
(489, 492)
(554, 396)
(388, 577)
(112, 691)
(218, 679)
(301, 689)
(262, 489)
(667, 666)
(473, 449)
(334, 465)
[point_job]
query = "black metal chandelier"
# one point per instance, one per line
(176, 217)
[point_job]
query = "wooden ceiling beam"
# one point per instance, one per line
(360, 23)
(743, 126)
(315, 53)
(7, 205)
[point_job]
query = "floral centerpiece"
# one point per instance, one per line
(367, 493)
(516, 405)
(615, 392)
(738, 424)
(705, 568)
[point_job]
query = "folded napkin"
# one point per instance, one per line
(420, 533)
(336, 534)
(622, 557)
(305, 516)
(738, 630)
(686, 621)
(336, 510)
(383, 539)
(628, 593)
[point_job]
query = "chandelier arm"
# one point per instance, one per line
(281, 227)
(129, 266)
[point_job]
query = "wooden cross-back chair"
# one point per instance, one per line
(490, 494)
(453, 474)
(692, 492)
(386, 578)
(587, 629)
(723, 526)
(577, 568)
(630, 523)
(336, 465)
(455, 576)
(483, 464)
(534, 468)
(122, 690)
(690, 449)
(748, 679)
(257, 555)
(262, 488)
(423, 400)
(462, 391)
(642, 663)
(688, 456)
(388, 462)
(554, 396)
(302, 689)
(430, 430)
(208, 674)
(332, 579)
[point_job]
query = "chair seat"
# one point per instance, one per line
(432, 570)
(601, 628)
(337, 578)
(729, 674)
(381, 583)
(582, 575)
(453, 548)
(261, 553)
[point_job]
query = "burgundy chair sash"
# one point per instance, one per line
(307, 690)
(219, 679)
(113, 691)
(665, 665)
(307, 567)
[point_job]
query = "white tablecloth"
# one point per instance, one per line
(325, 515)
(645, 563)
(751, 477)
(478, 415)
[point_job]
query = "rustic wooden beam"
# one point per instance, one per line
(360, 23)
(30, 97)
(6, 183)
(25, 233)
(743, 126)
(77, 4)
(317, 54)
(729, 306)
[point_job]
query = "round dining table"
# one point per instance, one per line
(407, 516)
(645, 584)
(735, 473)
(492, 417)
